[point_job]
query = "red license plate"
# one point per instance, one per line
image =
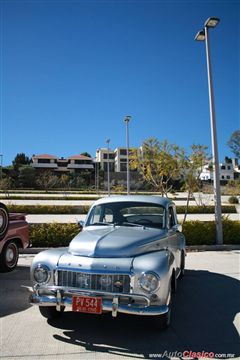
(87, 304)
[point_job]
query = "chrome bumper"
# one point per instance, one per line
(60, 297)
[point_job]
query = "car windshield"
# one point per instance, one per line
(129, 213)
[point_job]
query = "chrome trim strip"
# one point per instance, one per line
(93, 271)
(107, 305)
(73, 291)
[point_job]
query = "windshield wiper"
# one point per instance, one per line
(102, 223)
(131, 224)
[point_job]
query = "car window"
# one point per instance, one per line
(128, 214)
(101, 214)
(172, 219)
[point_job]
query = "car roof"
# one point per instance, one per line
(152, 199)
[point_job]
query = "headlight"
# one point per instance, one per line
(149, 282)
(41, 274)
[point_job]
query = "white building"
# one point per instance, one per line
(226, 171)
(117, 158)
(103, 156)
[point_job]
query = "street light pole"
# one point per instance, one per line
(108, 167)
(126, 120)
(1, 155)
(201, 36)
(96, 175)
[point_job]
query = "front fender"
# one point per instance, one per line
(162, 263)
(50, 258)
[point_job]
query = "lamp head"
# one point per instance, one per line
(200, 35)
(212, 22)
(127, 118)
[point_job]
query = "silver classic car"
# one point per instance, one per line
(126, 259)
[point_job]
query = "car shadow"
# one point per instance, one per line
(13, 296)
(203, 314)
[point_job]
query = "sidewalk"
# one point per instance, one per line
(68, 218)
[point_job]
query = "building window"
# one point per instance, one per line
(123, 152)
(222, 177)
(123, 167)
(44, 161)
(229, 167)
(228, 177)
(111, 156)
(223, 167)
(80, 162)
(61, 164)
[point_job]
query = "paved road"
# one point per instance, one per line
(205, 318)
(32, 219)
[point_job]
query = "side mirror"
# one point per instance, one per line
(81, 224)
(177, 228)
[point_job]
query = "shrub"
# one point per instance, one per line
(204, 233)
(52, 235)
(233, 200)
(210, 209)
(65, 198)
(196, 233)
(49, 209)
(199, 233)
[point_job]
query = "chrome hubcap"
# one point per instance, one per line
(9, 255)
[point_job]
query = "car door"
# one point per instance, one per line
(174, 236)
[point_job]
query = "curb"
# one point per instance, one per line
(191, 248)
(212, 247)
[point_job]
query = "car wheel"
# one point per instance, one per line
(162, 322)
(9, 256)
(4, 220)
(182, 268)
(50, 312)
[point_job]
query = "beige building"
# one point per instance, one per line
(72, 164)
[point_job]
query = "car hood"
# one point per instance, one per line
(116, 241)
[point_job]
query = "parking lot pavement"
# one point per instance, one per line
(205, 317)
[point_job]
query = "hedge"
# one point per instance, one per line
(204, 233)
(65, 198)
(196, 233)
(83, 209)
(52, 235)
(49, 209)
(210, 209)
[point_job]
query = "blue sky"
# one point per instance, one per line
(72, 70)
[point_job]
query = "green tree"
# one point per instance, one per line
(234, 143)
(86, 154)
(159, 163)
(192, 167)
(20, 160)
(26, 176)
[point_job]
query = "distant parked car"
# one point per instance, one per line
(13, 235)
(126, 259)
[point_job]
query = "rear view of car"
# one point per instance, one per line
(13, 236)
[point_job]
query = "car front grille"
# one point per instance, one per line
(114, 283)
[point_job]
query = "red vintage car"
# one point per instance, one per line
(13, 236)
